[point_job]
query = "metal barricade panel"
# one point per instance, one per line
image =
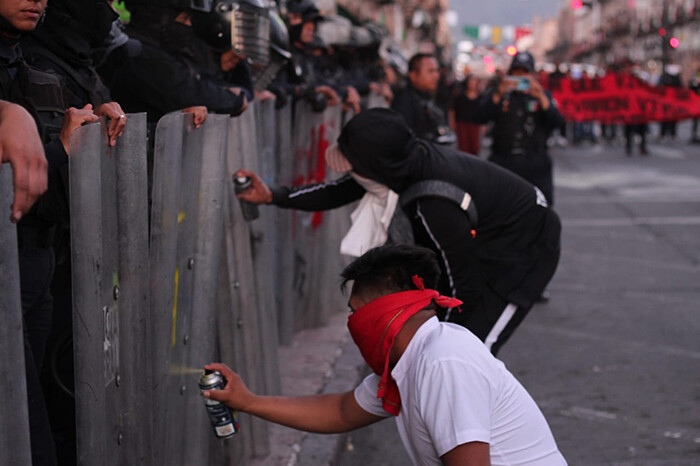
(284, 248)
(14, 416)
(316, 235)
(89, 312)
(108, 242)
(186, 238)
(242, 239)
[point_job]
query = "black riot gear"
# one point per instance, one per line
(279, 52)
(243, 25)
(92, 19)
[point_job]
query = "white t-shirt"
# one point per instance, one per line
(453, 391)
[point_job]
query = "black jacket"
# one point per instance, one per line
(515, 247)
(420, 112)
(151, 74)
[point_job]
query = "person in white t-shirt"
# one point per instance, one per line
(454, 403)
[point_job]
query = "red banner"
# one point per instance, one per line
(620, 98)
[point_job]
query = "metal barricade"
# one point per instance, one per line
(315, 235)
(110, 300)
(14, 416)
(155, 301)
(284, 251)
(185, 253)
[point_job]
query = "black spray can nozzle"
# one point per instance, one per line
(250, 210)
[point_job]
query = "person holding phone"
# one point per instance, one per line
(523, 116)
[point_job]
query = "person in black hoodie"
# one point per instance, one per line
(496, 238)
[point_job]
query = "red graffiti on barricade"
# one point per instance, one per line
(622, 98)
(311, 162)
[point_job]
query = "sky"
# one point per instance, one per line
(503, 12)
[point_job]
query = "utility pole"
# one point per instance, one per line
(664, 38)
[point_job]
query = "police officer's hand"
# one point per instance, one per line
(235, 394)
(244, 105)
(258, 193)
(264, 95)
(117, 120)
(329, 93)
(73, 119)
(21, 146)
(537, 92)
(199, 114)
(352, 101)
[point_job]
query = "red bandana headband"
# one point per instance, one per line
(374, 327)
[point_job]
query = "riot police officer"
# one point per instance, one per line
(416, 102)
(523, 116)
(171, 60)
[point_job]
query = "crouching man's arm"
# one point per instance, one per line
(326, 414)
(468, 454)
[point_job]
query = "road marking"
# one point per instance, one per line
(654, 264)
(667, 152)
(628, 222)
(635, 345)
(685, 196)
(587, 413)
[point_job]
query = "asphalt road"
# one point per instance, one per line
(613, 359)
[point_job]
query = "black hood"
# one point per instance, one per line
(380, 146)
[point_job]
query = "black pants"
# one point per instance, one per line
(36, 265)
(494, 322)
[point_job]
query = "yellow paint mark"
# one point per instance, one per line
(177, 283)
(181, 216)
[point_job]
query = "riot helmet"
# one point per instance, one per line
(279, 53)
(241, 25)
(91, 19)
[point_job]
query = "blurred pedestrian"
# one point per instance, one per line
(694, 85)
(669, 78)
(466, 114)
(454, 403)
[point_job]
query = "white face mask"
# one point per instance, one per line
(371, 186)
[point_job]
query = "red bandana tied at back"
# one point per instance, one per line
(374, 327)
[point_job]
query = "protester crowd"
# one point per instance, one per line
(74, 62)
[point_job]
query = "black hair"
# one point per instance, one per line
(390, 269)
(414, 63)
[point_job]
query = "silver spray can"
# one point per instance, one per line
(250, 210)
(223, 419)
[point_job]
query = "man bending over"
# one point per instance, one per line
(454, 402)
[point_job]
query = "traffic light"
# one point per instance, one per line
(578, 4)
(674, 42)
(511, 50)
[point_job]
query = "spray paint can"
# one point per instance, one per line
(250, 210)
(222, 418)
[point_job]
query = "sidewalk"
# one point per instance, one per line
(321, 360)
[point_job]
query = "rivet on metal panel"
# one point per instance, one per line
(236, 284)
(186, 339)
(239, 323)
(118, 380)
(120, 438)
(190, 263)
(115, 292)
(183, 389)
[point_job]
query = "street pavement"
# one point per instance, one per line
(613, 359)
